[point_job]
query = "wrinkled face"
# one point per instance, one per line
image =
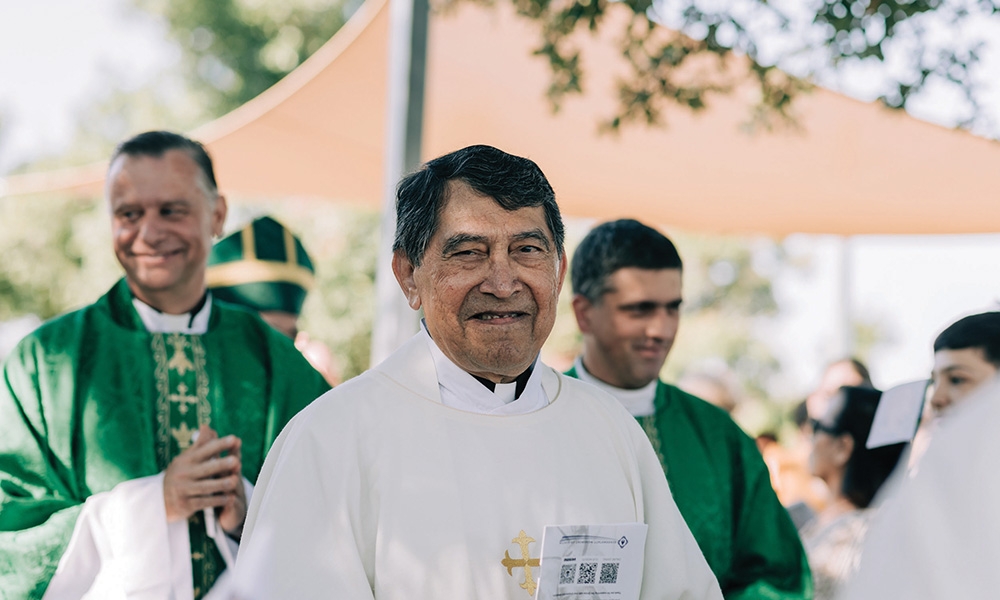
(488, 282)
(162, 221)
(629, 331)
(958, 373)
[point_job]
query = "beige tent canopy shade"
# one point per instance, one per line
(851, 168)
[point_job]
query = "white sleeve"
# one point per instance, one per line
(123, 547)
(305, 534)
(938, 536)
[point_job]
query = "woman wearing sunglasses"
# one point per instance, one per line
(854, 474)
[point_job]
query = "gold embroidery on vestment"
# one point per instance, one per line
(525, 562)
(653, 433)
(181, 382)
(162, 378)
(201, 382)
(179, 361)
(182, 398)
(183, 435)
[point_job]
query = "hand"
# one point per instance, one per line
(233, 513)
(200, 477)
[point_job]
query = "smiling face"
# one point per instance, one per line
(488, 282)
(163, 218)
(958, 373)
(628, 332)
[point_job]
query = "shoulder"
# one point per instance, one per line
(231, 318)
(233, 315)
(369, 392)
(580, 391)
(700, 412)
(590, 398)
(58, 331)
(712, 425)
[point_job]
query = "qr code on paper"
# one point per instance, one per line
(609, 572)
(568, 574)
(588, 573)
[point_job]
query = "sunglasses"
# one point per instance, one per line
(818, 426)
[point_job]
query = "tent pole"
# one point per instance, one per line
(394, 321)
(845, 314)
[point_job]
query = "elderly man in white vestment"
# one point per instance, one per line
(434, 474)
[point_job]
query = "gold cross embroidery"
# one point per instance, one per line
(183, 435)
(179, 361)
(525, 562)
(183, 399)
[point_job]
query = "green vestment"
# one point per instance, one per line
(91, 399)
(723, 490)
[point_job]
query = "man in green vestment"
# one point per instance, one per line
(131, 430)
(626, 280)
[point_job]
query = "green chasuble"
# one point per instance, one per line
(723, 490)
(91, 399)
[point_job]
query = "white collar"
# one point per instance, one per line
(639, 402)
(158, 322)
(461, 390)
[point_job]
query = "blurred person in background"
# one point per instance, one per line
(938, 535)
(265, 268)
(627, 295)
(966, 356)
(803, 494)
(840, 373)
(132, 429)
(854, 474)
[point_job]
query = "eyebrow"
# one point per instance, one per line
(534, 234)
(453, 243)
(648, 304)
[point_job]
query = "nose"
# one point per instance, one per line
(151, 230)
(941, 398)
(661, 325)
(502, 278)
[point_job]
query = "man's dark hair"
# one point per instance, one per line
(617, 245)
(156, 143)
(975, 331)
(867, 468)
(511, 181)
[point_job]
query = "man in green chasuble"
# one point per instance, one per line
(626, 281)
(131, 430)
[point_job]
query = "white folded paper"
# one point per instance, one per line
(898, 414)
(592, 561)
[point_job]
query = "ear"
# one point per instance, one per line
(581, 309)
(404, 270)
(563, 265)
(219, 211)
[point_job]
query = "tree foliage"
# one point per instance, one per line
(787, 45)
(235, 49)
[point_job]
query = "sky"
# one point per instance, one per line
(55, 55)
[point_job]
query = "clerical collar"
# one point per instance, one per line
(194, 322)
(639, 402)
(462, 390)
(519, 382)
